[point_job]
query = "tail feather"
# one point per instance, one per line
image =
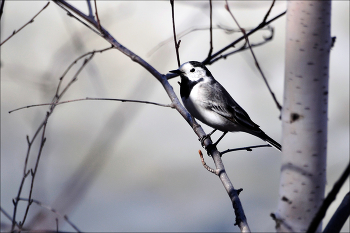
(269, 140)
(273, 143)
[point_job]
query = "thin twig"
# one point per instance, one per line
(33, 172)
(56, 98)
(190, 30)
(180, 35)
(88, 98)
(248, 148)
(255, 59)
(340, 216)
(328, 201)
(232, 44)
(205, 165)
(268, 12)
(177, 44)
(30, 21)
(96, 13)
(56, 224)
(74, 62)
(7, 215)
(211, 29)
(90, 8)
(52, 210)
(245, 47)
(2, 7)
(73, 16)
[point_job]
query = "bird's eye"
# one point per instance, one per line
(192, 70)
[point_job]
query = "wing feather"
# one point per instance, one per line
(223, 104)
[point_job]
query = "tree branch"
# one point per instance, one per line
(232, 44)
(269, 11)
(2, 7)
(88, 98)
(96, 13)
(211, 29)
(177, 44)
(30, 21)
(340, 216)
(209, 169)
(248, 148)
(253, 54)
(328, 201)
(26, 172)
(245, 47)
(65, 217)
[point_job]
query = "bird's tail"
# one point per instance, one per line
(269, 140)
(273, 143)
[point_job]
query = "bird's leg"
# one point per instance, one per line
(217, 142)
(202, 139)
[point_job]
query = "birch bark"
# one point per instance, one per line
(304, 114)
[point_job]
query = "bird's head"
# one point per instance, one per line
(193, 71)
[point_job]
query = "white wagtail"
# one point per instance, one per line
(209, 102)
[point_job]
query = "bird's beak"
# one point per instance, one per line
(176, 71)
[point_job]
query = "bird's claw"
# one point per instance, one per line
(202, 139)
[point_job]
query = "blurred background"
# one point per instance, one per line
(114, 166)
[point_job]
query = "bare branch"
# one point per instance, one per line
(205, 165)
(211, 29)
(65, 217)
(328, 201)
(255, 59)
(90, 8)
(177, 44)
(248, 148)
(340, 216)
(7, 215)
(232, 44)
(56, 224)
(74, 62)
(161, 78)
(30, 21)
(59, 3)
(2, 7)
(33, 173)
(179, 35)
(88, 98)
(43, 139)
(96, 13)
(245, 47)
(268, 12)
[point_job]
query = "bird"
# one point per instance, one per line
(209, 102)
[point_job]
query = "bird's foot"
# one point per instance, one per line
(202, 139)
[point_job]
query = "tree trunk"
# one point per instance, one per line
(304, 114)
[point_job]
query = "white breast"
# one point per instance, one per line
(194, 104)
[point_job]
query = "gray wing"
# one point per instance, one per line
(223, 104)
